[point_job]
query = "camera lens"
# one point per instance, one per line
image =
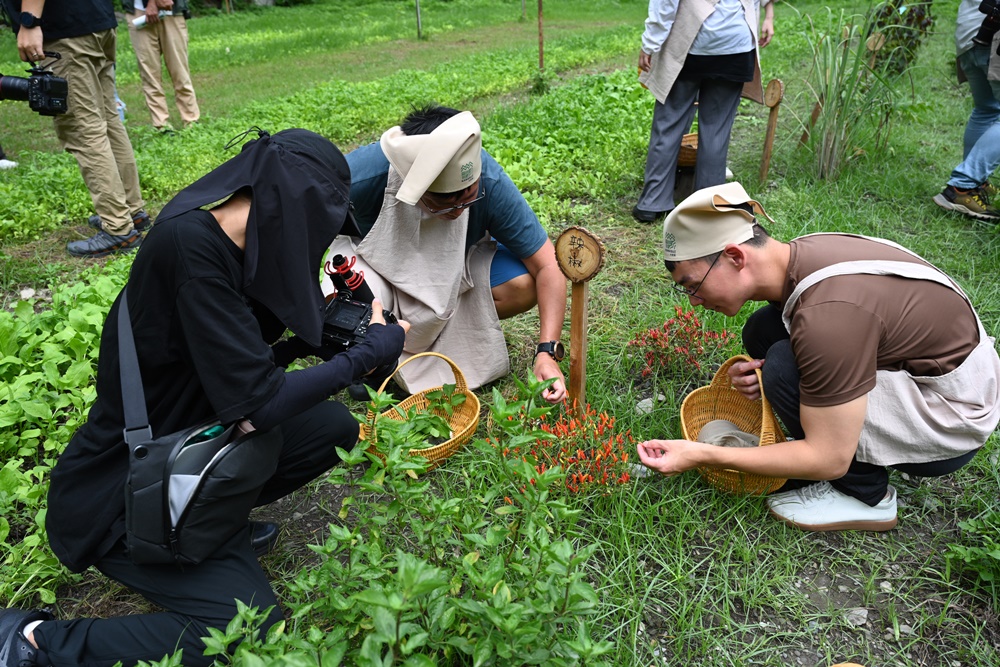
(14, 88)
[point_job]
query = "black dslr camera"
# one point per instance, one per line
(44, 91)
(346, 321)
(991, 24)
(350, 312)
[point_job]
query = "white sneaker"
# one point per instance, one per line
(7, 164)
(821, 507)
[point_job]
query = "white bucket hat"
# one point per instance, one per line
(446, 160)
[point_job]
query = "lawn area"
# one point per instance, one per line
(487, 567)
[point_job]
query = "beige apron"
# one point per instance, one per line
(918, 419)
(415, 264)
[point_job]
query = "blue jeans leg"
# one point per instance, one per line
(981, 149)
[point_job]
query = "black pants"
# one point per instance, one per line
(202, 596)
(765, 337)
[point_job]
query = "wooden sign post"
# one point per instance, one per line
(772, 98)
(581, 257)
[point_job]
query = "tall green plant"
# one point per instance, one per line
(853, 97)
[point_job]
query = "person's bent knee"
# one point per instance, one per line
(515, 296)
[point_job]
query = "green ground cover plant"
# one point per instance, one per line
(666, 571)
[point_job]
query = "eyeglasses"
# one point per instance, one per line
(481, 194)
(687, 291)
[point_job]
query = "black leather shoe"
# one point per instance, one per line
(15, 649)
(647, 216)
(263, 537)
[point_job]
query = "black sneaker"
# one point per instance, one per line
(15, 649)
(140, 221)
(102, 243)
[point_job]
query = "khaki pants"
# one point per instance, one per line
(92, 131)
(168, 37)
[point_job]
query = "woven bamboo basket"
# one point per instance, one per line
(689, 150)
(463, 421)
(720, 400)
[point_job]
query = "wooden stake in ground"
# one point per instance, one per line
(581, 257)
(772, 98)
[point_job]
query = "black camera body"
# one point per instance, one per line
(991, 24)
(44, 91)
(346, 321)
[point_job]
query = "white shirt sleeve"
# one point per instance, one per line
(661, 18)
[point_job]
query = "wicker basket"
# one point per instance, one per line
(689, 150)
(463, 420)
(720, 400)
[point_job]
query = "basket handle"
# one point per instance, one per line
(460, 384)
(721, 379)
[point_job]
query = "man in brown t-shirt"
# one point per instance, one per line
(871, 357)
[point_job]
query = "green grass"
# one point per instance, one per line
(684, 574)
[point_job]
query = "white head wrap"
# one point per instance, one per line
(446, 160)
(709, 220)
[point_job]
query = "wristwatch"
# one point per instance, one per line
(553, 348)
(29, 20)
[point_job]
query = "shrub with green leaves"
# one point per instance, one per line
(48, 359)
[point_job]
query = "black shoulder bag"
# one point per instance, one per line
(190, 491)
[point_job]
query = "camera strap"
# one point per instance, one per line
(137, 429)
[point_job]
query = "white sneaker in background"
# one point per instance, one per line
(821, 507)
(7, 164)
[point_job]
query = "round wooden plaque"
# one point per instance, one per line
(774, 92)
(580, 254)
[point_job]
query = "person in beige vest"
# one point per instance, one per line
(163, 37)
(451, 246)
(702, 51)
(871, 357)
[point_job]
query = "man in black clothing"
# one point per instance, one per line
(209, 294)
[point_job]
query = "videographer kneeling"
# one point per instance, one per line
(209, 292)
(83, 33)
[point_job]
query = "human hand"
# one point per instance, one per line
(645, 61)
(378, 316)
(766, 32)
(667, 457)
(743, 377)
(152, 12)
(547, 368)
(164, 4)
(29, 44)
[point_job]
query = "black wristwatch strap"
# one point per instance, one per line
(553, 348)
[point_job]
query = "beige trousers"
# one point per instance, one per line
(169, 38)
(91, 130)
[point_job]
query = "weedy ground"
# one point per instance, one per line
(685, 574)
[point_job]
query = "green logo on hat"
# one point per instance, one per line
(467, 171)
(669, 245)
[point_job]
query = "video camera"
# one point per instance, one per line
(348, 315)
(44, 91)
(991, 24)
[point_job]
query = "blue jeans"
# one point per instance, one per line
(981, 150)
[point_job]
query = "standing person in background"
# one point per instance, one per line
(83, 33)
(6, 163)
(704, 51)
(969, 190)
(165, 37)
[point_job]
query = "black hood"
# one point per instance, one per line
(300, 186)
